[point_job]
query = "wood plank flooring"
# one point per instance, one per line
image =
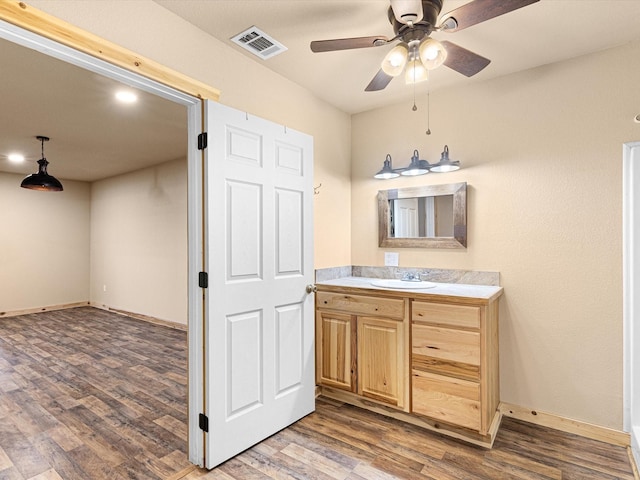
(87, 394)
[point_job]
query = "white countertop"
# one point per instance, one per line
(449, 289)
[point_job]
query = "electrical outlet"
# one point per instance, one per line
(391, 259)
(104, 288)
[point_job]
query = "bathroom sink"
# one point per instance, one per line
(401, 284)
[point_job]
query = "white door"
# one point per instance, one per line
(259, 324)
(406, 217)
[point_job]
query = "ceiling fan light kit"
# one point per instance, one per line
(394, 62)
(413, 22)
(416, 73)
(42, 180)
(417, 166)
(432, 53)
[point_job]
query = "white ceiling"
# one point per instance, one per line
(92, 137)
(545, 32)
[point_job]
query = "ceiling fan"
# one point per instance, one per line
(413, 22)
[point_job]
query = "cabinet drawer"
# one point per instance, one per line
(360, 304)
(459, 346)
(451, 400)
(443, 314)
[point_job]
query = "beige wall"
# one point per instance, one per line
(44, 245)
(542, 154)
(139, 242)
(142, 27)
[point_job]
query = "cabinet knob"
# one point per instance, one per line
(312, 289)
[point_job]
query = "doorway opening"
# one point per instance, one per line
(32, 41)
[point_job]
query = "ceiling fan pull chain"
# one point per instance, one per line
(428, 132)
(414, 87)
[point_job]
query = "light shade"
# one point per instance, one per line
(42, 180)
(386, 172)
(416, 167)
(432, 53)
(395, 60)
(445, 164)
(415, 72)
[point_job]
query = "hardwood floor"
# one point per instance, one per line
(87, 394)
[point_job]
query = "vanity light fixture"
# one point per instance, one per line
(445, 164)
(417, 166)
(42, 180)
(387, 171)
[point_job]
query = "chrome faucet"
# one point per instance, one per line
(411, 277)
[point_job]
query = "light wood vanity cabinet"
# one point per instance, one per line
(381, 359)
(361, 346)
(335, 352)
(431, 360)
(454, 364)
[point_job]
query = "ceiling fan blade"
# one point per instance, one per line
(479, 11)
(347, 43)
(462, 60)
(379, 82)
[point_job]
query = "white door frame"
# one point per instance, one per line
(36, 42)
(631, 293)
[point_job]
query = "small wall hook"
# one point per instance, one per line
(316, 190)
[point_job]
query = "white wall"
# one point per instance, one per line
(139, 242)
(541, 152)
(44, 244)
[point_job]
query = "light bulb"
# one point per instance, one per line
(416, 73)
(395, 60)
(432, 53)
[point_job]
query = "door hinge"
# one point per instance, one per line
(203, 422)
(202, 141)
(203, 280)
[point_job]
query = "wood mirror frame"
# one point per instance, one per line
(459, 239)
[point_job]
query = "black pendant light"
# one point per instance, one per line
(42, 180)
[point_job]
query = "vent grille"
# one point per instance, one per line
(259, 43)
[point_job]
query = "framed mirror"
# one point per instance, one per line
(432, 216)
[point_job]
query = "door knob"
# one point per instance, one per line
(312, 289)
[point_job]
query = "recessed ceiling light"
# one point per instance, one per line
(126, 96)
(16, 157)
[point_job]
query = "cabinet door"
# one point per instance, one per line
(335, 351)
(381, 362)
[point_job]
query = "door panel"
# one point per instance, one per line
(289, 238)
(243, 215)
(259, 329)
(244, 347)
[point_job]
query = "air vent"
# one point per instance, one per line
(258, 43)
